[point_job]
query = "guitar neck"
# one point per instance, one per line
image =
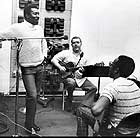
(70, 67)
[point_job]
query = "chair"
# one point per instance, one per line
(76, 92)
(129, 126)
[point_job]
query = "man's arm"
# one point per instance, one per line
(100, 105)
(55, 61)
(9, 32)
(45, 48)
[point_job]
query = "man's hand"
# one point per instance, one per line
(100, 64)
(45, 61)
(62, 68)
(81, 69)
(78, 74)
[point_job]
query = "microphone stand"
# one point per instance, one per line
(42, 100)
(19, 45)
(65, 37)
(98, 91)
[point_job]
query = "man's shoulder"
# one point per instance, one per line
(137, 82)
(13, 27)
(39, 26)
(61, 54)
(65, 51)
(18, 25)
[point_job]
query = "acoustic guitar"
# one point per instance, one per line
(70, 69)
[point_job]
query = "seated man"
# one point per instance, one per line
(120, 97)
(68, 59)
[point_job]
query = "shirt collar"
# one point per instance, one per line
(76, 54)
(29, 24)
(123, 81)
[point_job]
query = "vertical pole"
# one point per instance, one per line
(98, 85)
(19, 44)
(98, 90)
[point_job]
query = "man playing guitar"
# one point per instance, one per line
(65, 61)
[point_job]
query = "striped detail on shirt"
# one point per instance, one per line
(125, 97)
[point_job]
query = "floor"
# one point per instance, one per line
(52, 120)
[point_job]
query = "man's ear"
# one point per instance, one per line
(116, 71)
(26, 16)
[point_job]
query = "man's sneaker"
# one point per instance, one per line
(31, 132)
(36, 128)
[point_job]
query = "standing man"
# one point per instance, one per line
(31, 57)
(119, 99)
(74, 58)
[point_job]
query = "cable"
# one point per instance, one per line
(12, 87)
(3, 108)
(19, 125)
(4, 127)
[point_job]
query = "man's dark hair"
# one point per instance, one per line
(76, 37)
(27, 9)
(126, 65)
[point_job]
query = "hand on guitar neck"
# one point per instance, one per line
(99, 64)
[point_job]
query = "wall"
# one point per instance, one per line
(108, 28)
(5, 15)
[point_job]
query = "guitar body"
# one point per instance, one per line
(70, 68)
